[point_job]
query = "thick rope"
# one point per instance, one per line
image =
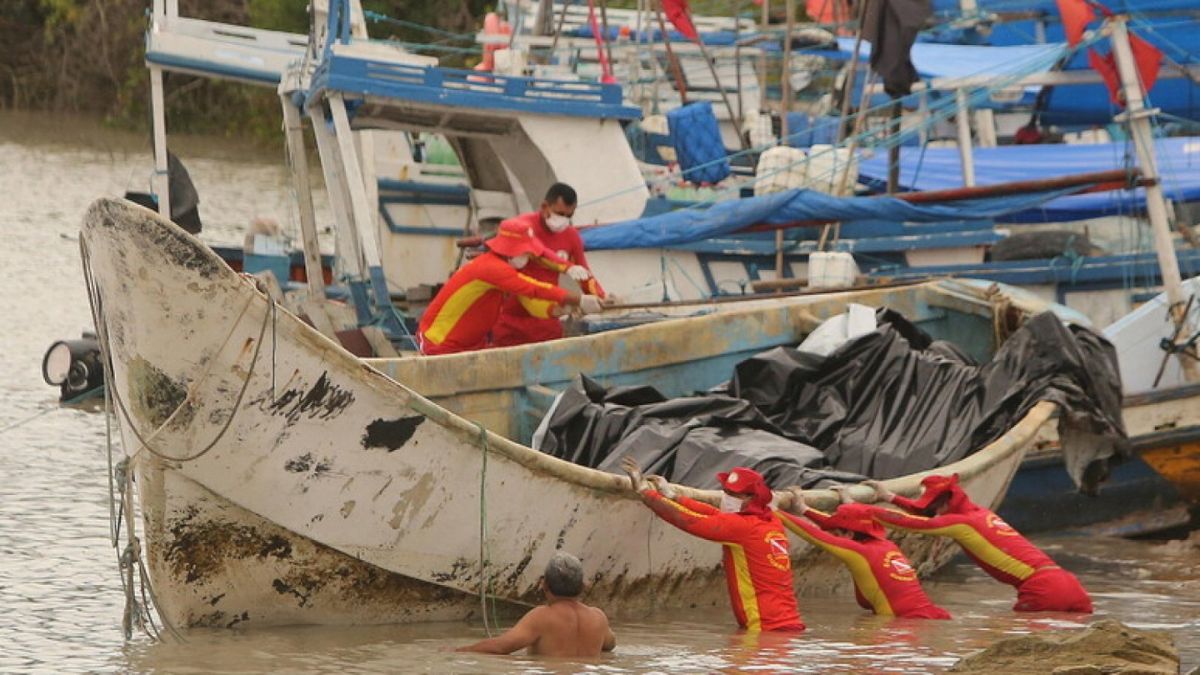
(483, 578)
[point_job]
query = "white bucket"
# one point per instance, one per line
(831, 269)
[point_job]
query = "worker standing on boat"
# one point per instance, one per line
(551, 225)
(758, 567)
(1001, 551)
(885, 582)
(564, 626)
(464, 312)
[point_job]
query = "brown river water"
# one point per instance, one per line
(60, 593)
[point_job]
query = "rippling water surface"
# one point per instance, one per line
(60, 593)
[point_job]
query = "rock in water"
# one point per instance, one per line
(1103, 648)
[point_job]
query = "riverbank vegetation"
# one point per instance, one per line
(86, 56)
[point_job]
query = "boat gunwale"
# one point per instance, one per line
(1015, 439)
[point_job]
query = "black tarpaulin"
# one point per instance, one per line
(889, 403)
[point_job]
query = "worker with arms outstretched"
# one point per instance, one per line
(885, 582)
(944, 509)
(758, 567)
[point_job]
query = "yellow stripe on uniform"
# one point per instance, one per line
(537, 308)
(454, 309)
(971, 540)
(860, 569)
(745, 587)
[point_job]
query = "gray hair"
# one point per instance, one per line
(564, 575)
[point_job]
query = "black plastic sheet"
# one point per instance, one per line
(889, 403)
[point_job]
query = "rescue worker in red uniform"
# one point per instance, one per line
(885, 582)
(464, 312)
(1001, 551)
(758, 568)
(551, 225)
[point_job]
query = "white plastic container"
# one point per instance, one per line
(758, 127)
(827, 166)
(831, 269)
(781, 168)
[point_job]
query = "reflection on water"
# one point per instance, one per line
(59, 587)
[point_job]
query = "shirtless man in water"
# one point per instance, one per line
(564, 626)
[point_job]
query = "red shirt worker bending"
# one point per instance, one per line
(551, 225)
(464, 312)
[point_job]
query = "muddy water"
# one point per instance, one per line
(60, 593)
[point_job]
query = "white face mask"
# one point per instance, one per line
(730, 504)
(519, 261)
(557, 223)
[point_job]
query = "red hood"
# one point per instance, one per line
(856, 518)
(748, 482)
(936, 486)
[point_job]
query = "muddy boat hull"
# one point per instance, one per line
(283, 481)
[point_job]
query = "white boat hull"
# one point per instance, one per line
(284, 481)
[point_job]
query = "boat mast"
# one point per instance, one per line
(1138, 117)
(164, 10)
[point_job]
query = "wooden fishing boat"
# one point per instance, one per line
(282, 480)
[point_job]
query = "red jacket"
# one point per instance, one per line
(517, 325)
(758, 567)
(992, 543)
(1000, 551)
(884, 580)
(466, 309)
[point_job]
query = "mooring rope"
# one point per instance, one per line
(483, 578)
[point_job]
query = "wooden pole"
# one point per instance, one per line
(162, 182)
(785, 85)
(676, 71)
(963, 120)
(294, 132)
(1156, 204)
(893, 181)
(604, 27)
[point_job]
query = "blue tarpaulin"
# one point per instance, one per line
(695, 224)
(941, 168)
(944, 60)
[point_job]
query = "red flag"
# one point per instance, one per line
(1076, 15)
(1147, 58)
(1107, 67)
(680, 16)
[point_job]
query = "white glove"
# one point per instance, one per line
(664, 488)
(579, 273)
(636, 482)
(590, 304)
(881, 493)
(798, 503)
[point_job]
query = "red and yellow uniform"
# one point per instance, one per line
(519, 323)
(465, 310)
(885, 582)
(758, 568)
(1001, 551)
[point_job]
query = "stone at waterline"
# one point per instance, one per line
(1106, 647)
